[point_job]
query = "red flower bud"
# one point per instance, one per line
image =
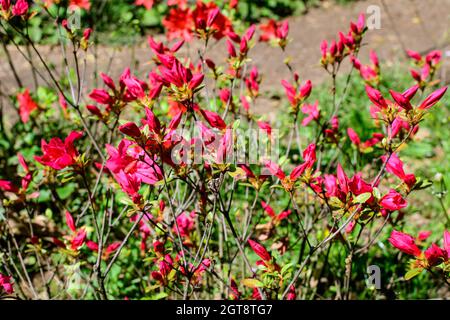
(393, 201)
(435, 255)
(259, 250)
(376, 97)
(130, 129)
(433, 98)
(401, 100)
(405, 243)
(94, 110)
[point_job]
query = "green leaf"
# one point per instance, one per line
(286, 268)
(376, 193)
(252, 283)
(159, 296)
(362, 198)
(236, 124)
(422, 184)
(335, 202)
(412, 273)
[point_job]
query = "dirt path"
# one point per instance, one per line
(423, 25)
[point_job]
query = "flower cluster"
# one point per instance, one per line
(145, 178)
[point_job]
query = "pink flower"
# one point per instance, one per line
(245, 103)
(312, 111)
(87, 33)
(130, 184)
(395, 166)
(447, 242)
(78, 240)
(296, 96)
(358, 186)
(79, 4)
(266, 127)
(58, 154)
(423, 235)
(224, 95)
(414, 55)
(401, 100)
(20, 8)
(5, 4)
(393, 201)
(374, 58)
(78, 237)
(93, 246)
(358, 27)
(135, 87)
(26, 105)
(274, 30)
(101, 96)
(376, 97)
(6, 284)
(179, 24)
(435, 255)
(276, 218)
(207, 16)
(124, 162)
(433, 98)
(350, 227)
(152, 121)
(111, 248)
(259, 250)
(8, 186)
(405, 243)
(291, 294)
(410, 92)
(343, 179)
(353, 136)
(94, 110)
(108, 81)
(62, 102)
(433, 57)
(309, 157)
(130, 129)
(185, 224)
(70, 222)
(173, 73)
(213, 119)
(225, 147)
(148, 4)
(275, 169)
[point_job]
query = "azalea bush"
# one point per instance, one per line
(174, 185)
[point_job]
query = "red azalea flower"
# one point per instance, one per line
(260, 250)
(20, 8)
(26, 105)
(312, 111)
(393, 201)
(58, 154)
(274, 30)
(79, 4)
(435, 255)
(207, 17)
(309, 157)
(179, 24)
(148, 4)
(395, 166)
(405, 243)
(6, 284)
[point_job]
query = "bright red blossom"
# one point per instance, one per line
(58, 154)
(26, 105)
(405, 243)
